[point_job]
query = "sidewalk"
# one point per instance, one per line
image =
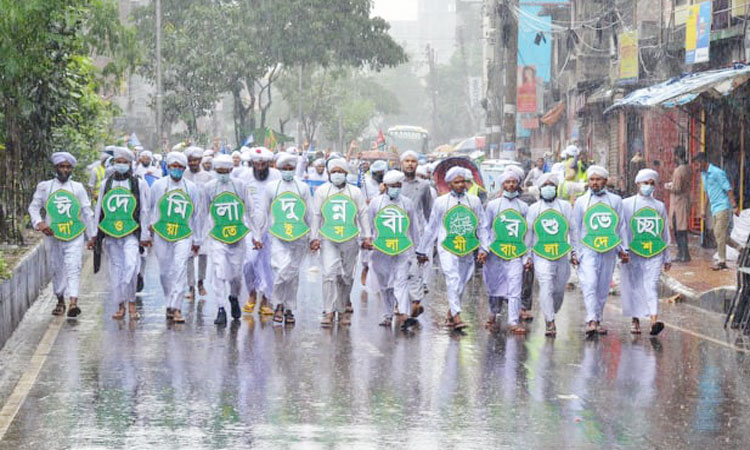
(696, 283)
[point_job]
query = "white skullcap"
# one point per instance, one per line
(285, 159)
(455, 172)
(235, 154)
(194, 152)
(379, 166)
(339, 163)
(393, 177)
(223, 162)
(177, 157)
(123, 152)
(546, 178)
(572, 150)
(208, 154)
(422, 170)
(319, 162)
(61, 157)
(147, 154)
(507, 175)
(261, 154)
(292, 150)
(597, 170)
(647, 174)
(409, 153)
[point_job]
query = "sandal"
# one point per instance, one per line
(349, 308)
(74, 311)
(327, 321)
(635, 327)
(490, 324)
(59, 309)
(459, 325)
(134, 314)
(170, 314)
(177, 316)
(289, 317)
(191, 293)
(517, 329)
(526, 316)
(346, 319)
(120, 314)
(591, 329)
(265, 310)
(416, 309)
(657, 328)
(386, 322)
(201, 289)
(551, 329)
(600, 329)
(278, 315)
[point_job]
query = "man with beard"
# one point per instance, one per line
(418, 191)
(69, 217)
(257, 266)
(371, 189)
(200, 178)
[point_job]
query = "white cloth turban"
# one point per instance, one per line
(647, 174)
(260, 154)
(208, 154)
(223, 162)
(285, 159)
(319, 162)
(518, 170)
(422, 171)
(292, 151)
(455, 172)
(572, 150)
(597, 170)
(546, 178)
(507, 175)
(379, 166)
(408, 153)
(393, 177)
(177, 157)
(194, 152)
(338, 163)
(147, 154)
(236, 154)
(123, 152)
(61, 157)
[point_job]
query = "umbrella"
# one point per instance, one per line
(442, 169)
(373, 155)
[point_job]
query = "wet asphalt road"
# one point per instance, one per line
(108, 384)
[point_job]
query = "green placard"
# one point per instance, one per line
(64, 211)
(510, 230)
(392, 227)
(288, 211)
(460, 224)
(551, 229)
(600, 222)
(118, 207)
(338, 213)
(228, 211)
(647, 226)
(175, 210)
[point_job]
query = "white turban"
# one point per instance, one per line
(647, 174)
(546, 178)
(292, 150)
(338, 163)
(177, 157)
(123, 152)
(208, 154)
(285, 159)
(597, 170)
(261, 154)
(61, 157)
(194, 152)
(409, 153)
(507, 175)
(244, 149)
(147, 154)
(393, 177)
(455, 172)
(518, 170)
(572, 150)
(245, 157)
(223, 162)
(235, 154)
(422, 171)
(319, 162)
(379, 166)
(468, 175)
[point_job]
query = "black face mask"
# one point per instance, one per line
(63, 177)
(145, 164)
(378, 176)
(260, 175)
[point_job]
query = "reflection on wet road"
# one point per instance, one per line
(148, 385)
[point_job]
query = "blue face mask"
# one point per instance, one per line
(222, 177)
(510, 195)
(338, 178)
(122, 168)
(647, 189)
(548, 192)
(287, 175)
(394, 192)
(176, 173)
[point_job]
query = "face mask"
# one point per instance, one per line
(176, 173)
(222, 177)
(598, 192)
(377, 176)
(647, 189)
(122, 168)
(338, 178)
(287, 175)
(63, 177)
(510, 195)
(393, 192)
(548, 192)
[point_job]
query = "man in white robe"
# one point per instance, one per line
(201, 178)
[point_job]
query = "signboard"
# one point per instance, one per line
(698, 33)
(526, 94)
(475, 91)
(628, 43)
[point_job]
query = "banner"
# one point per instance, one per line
(526, 95)
(628, 70)
(698, 33)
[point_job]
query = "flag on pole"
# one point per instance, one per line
(380, 141)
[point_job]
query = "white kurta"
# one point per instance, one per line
(392, 272)
(173, 256)
(595, 269)
(639, 279)
(64, 258)
(200, 178)
(504, 279)
(226, 259)
(286, 257)
(123, 256)
(457, 270)
(339, 259)
(552, 276)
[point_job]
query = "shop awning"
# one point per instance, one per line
(686, 88)
(553, 115)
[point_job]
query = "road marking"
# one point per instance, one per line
(695, 334)
(24, 385)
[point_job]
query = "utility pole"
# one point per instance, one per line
(510, 39)
(299, 106)
(159, 93)
(433, 87)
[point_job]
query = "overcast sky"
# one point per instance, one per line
(396, 9)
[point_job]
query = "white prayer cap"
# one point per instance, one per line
(422, 170)
(147, 154)
(292, 150)
(123, 152)
(208, 154)
(339, 163)
(319, 162)
(455, 172)
(194, 152)
(262, 154)
(597, 170)
(572, 150)
(285, 159)
(61, 157)
(379, 166)
(409, 153)
(223, 162)
(547, 178)
(647, 174)
(507, 175)
(235, 154)
(177, 157)
(393, 177)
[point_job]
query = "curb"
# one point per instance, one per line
(716, 300)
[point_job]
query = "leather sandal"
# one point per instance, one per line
(120, 314)
(59, 309)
